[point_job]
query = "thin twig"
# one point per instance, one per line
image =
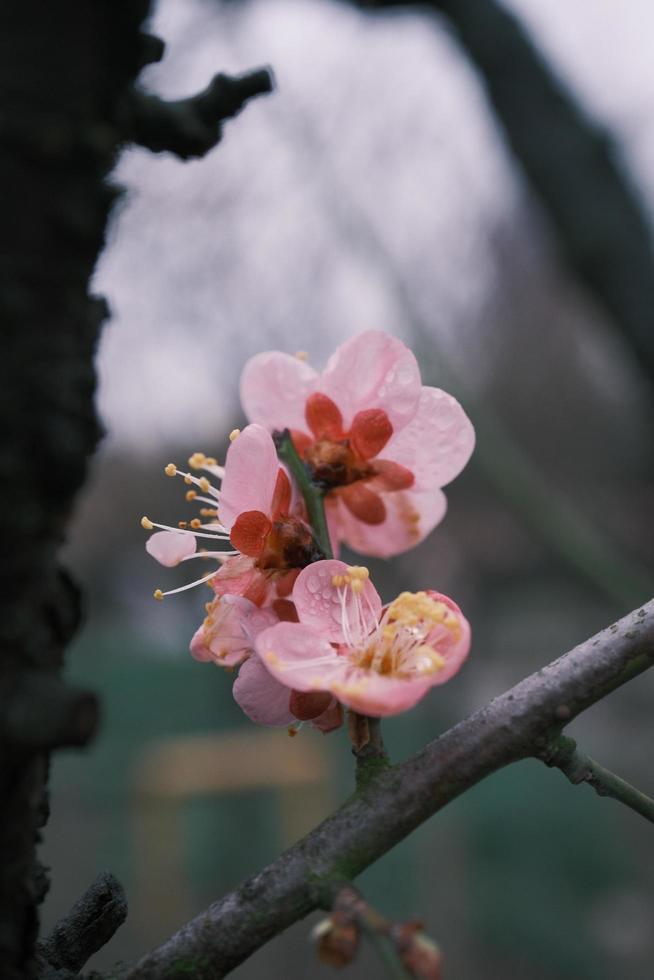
(190, 127)
(516, 725)
(563, 754)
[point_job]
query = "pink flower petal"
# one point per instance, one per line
(221, 638)
(319, 604)
(452, 646)
(373, 370)
(263, 699)
(251, 471)
(379, 695)
(169, 547)
(300, 657)
(437, 443)
(274, 389)
(410, 517)
(236, 577)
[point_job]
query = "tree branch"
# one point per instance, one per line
(578, 767)
(190, 127)
(89, 925)
(518, 724)
(570, 161)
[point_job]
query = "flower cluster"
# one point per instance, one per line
(373, 447)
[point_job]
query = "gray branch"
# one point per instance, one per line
(516, 725)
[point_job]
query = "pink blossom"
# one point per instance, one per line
(263, 698)
(377, 661)
(379, 442)
(255, 511)
(226, 636)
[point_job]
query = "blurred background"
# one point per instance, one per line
(374, 189)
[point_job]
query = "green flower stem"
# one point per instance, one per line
(313, 495)
(368, 747)
(563, 754)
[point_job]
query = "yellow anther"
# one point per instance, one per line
(208, 512)
(196, 461)
(357, 585)
(210, 461)
(196, 523)
(188, 480)
(158, 594)
(358, 572)
(182, 524)
(234, 434)
(205, 486)
(302, 355)
(191, 495)
(147, 524)
(208, 606)
(170, 470)
(432, 661)
(389, 631)
(337, 581)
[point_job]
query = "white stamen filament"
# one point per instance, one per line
(191, 585)
(217, 555)
(201, 481)
(219, 535)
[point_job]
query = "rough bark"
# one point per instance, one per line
(66, 71)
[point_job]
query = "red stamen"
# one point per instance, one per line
(371, 430)
(301, 441)
(286, 610)
(323, 417)
(392, 476)
(363, 503)
(286, 582)
(281, 500)
(307, 705)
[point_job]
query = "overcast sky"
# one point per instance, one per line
(259, 245)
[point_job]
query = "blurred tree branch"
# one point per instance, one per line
(190, 127)
(519, 724)
(571, 162)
